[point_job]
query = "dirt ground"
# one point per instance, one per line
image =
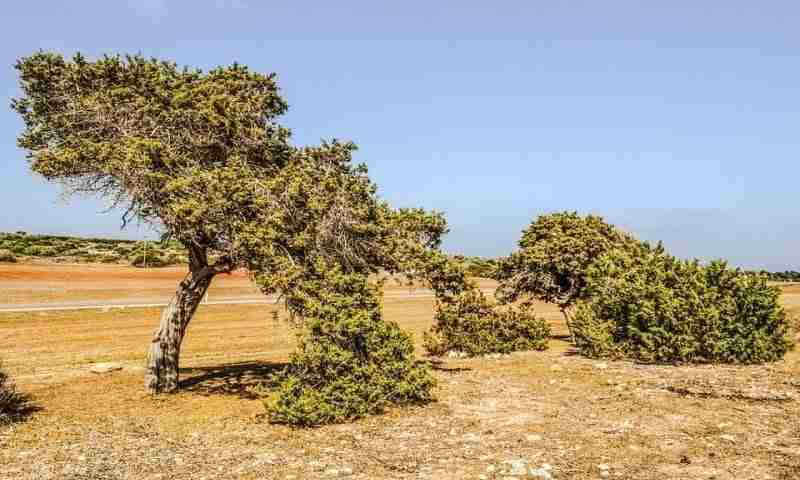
(527, 415)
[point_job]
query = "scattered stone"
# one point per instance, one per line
(339, 472)
(601, 366)
(533, 438)
(728, 438)
(515, 467)
(456, 354)
(105, 367)
(471, 438)
(541, 473)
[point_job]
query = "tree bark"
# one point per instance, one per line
(568, 320)
(165, 349)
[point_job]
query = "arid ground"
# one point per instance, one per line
(526, 415)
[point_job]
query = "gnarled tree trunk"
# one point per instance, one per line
(165, 349)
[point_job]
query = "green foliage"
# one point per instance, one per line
(11, 401)
(351, 362)
(7, 256)
(653, 307)
(554, 254)
(473, 325)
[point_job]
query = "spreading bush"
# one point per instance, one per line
(11, 401)
(650, 306)
(473, 325)
(350, 363)
(7, 256)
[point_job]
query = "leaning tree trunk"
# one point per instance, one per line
(568, 321)
(165, 349)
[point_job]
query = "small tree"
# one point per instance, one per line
(554, 254)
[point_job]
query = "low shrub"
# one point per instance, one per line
(350, 363)
(473, 325)
(7, 256)
(650, 306)
(11, 401)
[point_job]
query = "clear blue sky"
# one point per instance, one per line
(677, 121)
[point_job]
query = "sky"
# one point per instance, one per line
(678, 121)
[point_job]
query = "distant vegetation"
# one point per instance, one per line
(786, 276)
(20, 245)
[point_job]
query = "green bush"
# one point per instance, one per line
(351, 362)
(653, 307)
(7, 256)
(11, 401)
(473, 325)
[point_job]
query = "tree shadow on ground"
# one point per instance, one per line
(439, 366)
(243, 379)
(16, 407)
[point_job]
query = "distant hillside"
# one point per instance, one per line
(21, 246)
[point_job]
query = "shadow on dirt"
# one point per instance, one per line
(245, 380)
(440, 366)
(16, 407)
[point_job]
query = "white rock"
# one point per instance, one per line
(105, 367)
(456, 354)
(471, 438)
(547, 466)
(339, 472)
(601, 366)
(533, 438)
(728, 438)
(541, 473)
(515, 467)
(603, 466)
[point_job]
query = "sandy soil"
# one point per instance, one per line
(493, 418)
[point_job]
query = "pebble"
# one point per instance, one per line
(516, 467)
(471, 438)
(541, 473)
(339, 472)
(105, 367)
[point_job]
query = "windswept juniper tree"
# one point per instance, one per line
(178, 149)
(199, 157)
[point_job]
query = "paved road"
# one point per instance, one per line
(161, 302)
